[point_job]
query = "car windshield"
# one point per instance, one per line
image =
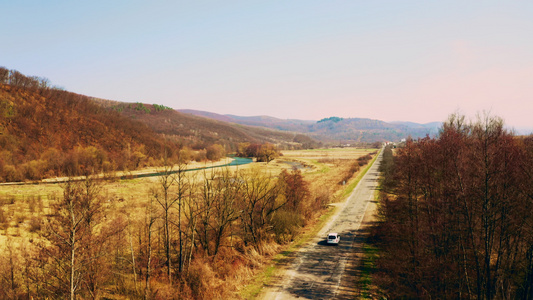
(332, 237)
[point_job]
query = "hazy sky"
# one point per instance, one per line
(390, 60)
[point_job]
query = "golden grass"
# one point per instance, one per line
(322, 168)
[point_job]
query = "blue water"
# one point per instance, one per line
(237, 161)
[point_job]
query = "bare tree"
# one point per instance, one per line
(226, 210)
(259, 202)
(4, 75)
(66, 233)
(207, 201)
(166, 201)
(458, 219)
(182, 186)
(150, 218)
(192, 210)
(91, 205)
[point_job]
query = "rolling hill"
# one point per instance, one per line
(198, 131)
(333, 130)
(47, 132)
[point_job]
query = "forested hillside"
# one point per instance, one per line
(47, 132)
(199, 132)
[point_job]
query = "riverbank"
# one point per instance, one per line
(146, 172)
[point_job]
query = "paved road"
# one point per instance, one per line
(318, 268)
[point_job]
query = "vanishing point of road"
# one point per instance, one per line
(318, 269)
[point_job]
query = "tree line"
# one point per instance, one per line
(261, 152)
(456, 214)
(15, 78)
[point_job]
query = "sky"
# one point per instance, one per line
(417, 61)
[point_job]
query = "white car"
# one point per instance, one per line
(334, 238)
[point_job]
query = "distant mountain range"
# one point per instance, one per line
(432, 125)
(333, 129)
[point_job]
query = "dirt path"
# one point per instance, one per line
(321, 271)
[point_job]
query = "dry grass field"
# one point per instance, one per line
(23, 206)
(326, 168)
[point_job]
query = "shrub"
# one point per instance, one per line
(34, 224)
(348, 175)
(19, 218)
(215, 152)
(6, 200)
(200, 156)
(202, 280)
(11, 174)
(363, 160)
(286, 225)
(3, 217)
(322, 199)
